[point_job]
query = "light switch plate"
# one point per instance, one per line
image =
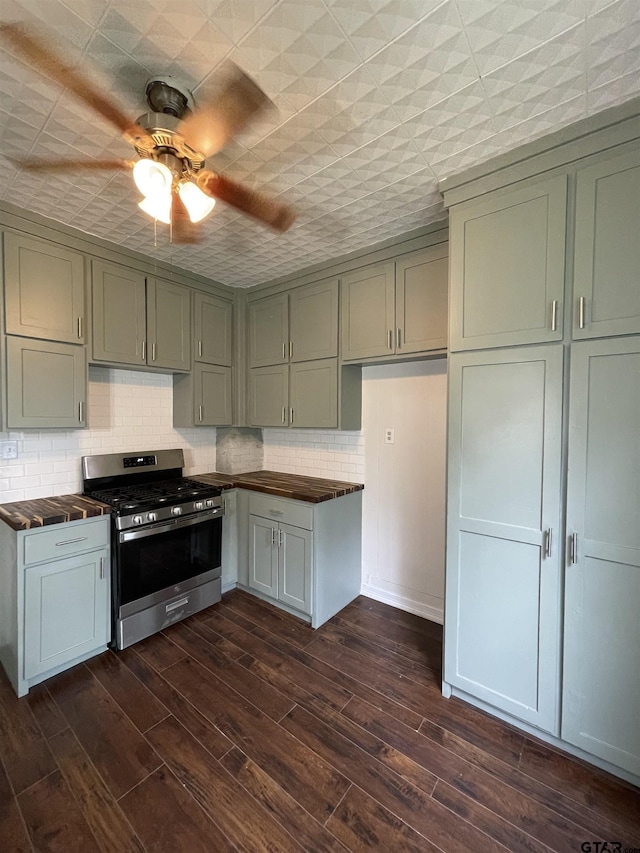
(8, 449)
(389, 436)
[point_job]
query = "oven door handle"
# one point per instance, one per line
(174, 524)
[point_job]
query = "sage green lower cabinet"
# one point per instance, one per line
(303, 557)
(503, 581)
(46, 384)
(54, 598)
(601, 682)
(203, 397)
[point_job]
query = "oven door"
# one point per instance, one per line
(161, 559)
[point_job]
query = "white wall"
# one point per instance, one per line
(127, 410)
(405, 485)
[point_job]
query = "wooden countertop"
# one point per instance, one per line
(293, 486)
(23, 515)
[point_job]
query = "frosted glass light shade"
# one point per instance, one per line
(157, 207)
(198, 204)
(152, 178)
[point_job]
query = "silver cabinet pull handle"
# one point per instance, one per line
(279, 538)
(200, 412)
(144, 350)
(398, 338)
(291, 415)
(153, 351)
(547, 542)
(554, 315)
(284, 350)
(290, 349)
(71, 541)
(80, 327)
(573, 549)
(273, 536)
(199, 349)
(80, 411)
(175, 604)
(276, 512)
(284, 414)
(581, 306)
(390, 335)
(101, 568)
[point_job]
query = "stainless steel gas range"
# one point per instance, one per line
(166, 539)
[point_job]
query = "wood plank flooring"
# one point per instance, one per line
(243, 729)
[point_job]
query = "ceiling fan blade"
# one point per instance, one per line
(34, 49)
(213, 124)
(35, 165)
(274, 213)
(183, 230)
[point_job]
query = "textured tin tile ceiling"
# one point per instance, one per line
(377, 100)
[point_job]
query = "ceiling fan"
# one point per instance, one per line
(172, 141)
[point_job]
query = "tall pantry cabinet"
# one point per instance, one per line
(543, 538)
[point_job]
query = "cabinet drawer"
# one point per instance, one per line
(63, 540)
(281, 509)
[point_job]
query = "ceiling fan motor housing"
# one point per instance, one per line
(164, 139)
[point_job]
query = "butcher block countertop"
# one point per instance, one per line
(293, 486)
(24, 515)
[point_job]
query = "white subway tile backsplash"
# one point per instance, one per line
(127, 410)
(333, 454)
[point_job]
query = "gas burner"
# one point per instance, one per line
(125, 506)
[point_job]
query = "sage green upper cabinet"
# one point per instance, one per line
(44, 289)
(168, 325)
(314, 321)
(119, 314)
(396, 308)
(422, 289)
(212, 329)
(138, 321)
(203, 397)
(607, 248)
(46, 384)
(368, 312)
(268, 396)
(268, 330)
(508, 266)
(503, 530)
(313, 389)
(601, 695)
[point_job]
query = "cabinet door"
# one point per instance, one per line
(601, 687)
(367, 307)
(268, 330)
(294, 567)
(268, 396)
(118, 314)
(44, 289)
(422, 290)
(313, 400)
(212, 329)
(314, 321)
(168, 325)
(213, 395)
(502, 606)
(607, 251)
(263, 555)
(66, 610)
(507, 267)
(46, 384)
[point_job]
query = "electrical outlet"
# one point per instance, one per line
(389, 436)
(8, 449)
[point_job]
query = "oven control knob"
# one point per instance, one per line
(199, 505)
(209, 502)
(137, 519)
(152, 516)
(176, 510)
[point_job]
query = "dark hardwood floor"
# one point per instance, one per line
(243, 729)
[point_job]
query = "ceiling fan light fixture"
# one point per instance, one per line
(198, 204)
(157, 207)
(152, 178)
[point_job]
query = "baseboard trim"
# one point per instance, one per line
(434, 614)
